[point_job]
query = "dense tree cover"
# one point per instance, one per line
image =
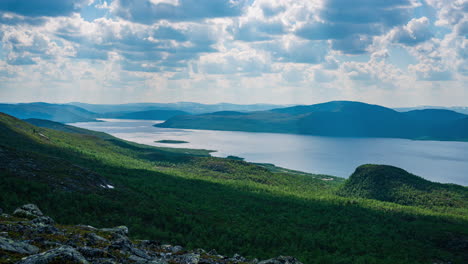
(388, 183)
(186, 197)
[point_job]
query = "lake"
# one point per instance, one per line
(440, 161)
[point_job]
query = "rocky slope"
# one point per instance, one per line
(30, 237)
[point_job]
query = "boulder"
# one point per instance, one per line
(121, 230)
(43, 221)
(138, 260)
(176, 249)
(63, 254)
(90, 252)
(126, 246)
(190, 258)
(17, 246)
(94, 239)
(30, 211)
(281, 260)
(238, 258)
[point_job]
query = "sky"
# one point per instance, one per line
(388, 52)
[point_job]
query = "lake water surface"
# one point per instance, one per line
(440, 161)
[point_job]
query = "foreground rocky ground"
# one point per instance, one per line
(29, 237)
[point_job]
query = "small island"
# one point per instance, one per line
(171, 141)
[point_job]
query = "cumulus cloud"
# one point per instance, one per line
(322, 76)
(43, 7)
(427, 72)
(291, 49)
(257, 30)
(350, 25)
(416, 31)
(15, 19)
(172, 47)
(250, 62)
(150, 11)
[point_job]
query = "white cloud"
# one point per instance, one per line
(416, 31)
(184, 49)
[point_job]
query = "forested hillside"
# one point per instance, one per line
(186, 197)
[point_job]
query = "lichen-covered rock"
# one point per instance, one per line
(281, 260)
(63, 254)
(238, 258)
(122, 230)
(86, 244)
(189, 258)
(90, 252)
(93, 239)
(17, 246)
(30, 211)
(43, 221)
(138, 260)
(126, 246)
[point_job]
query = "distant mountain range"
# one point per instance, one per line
(193, 108)
(81, 112)
(459, 109)
(336, 118)
(145, 115)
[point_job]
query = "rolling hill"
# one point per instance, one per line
(337, 118)
(186, 197)
(55, 112)
(392, 184)
(194, 108)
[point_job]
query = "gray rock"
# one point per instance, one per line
(166, 247)
(17, 246)
(125, 245)
(43, 221)
(87, 227)
(190, 258)
(104, 261)
(90, 252)
(176, 249)
(139, 260)
(238, 258)
(94, 239)
(122, 230)
(213, 252)
(200, 251)
(30, 211)
(150, 244)
(62, 254)
(281, 260)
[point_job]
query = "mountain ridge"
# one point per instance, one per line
(336, 118)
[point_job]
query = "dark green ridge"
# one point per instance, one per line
(392, 184)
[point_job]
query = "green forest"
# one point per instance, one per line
(186, 197)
